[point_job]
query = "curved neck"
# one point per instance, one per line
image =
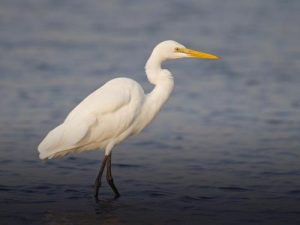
(163, 81)
(161, 78)
(153, 68)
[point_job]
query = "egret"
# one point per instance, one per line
(115, 111)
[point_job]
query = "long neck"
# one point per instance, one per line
(163, 81)
(161, 78)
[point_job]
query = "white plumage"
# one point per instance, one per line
(101, 120)
(116, 110)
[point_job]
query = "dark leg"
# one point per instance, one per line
(109, 177)
(98, 179)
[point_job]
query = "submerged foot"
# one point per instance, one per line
(96, 190)
(117, 196)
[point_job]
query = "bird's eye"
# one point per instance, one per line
(176, 49)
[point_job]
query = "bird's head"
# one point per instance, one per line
(173, 50)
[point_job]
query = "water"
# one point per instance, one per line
(225, 148)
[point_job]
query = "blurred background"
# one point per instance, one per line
(223, 150)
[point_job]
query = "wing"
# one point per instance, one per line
(65, 136)
(105, 113)
(107, 99)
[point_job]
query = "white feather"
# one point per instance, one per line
(98, 120)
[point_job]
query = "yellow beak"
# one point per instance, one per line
(197, 54)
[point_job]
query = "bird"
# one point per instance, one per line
(118, 109)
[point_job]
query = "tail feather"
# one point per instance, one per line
(65, 138)
(51, 142)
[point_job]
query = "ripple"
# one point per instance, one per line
(233, 189)
(42, 187)
(6, 161)
(4, 188)
(71, 191)
(157, 194)
(188, 198)
(124, 165)
(294, 192)
(280, 173)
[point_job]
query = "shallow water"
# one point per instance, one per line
(224, 149)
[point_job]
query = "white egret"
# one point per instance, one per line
(118, 109)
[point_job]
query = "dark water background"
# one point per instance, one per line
(224, 150)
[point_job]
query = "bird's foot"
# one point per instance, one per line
(113, 187)
(117, 196)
